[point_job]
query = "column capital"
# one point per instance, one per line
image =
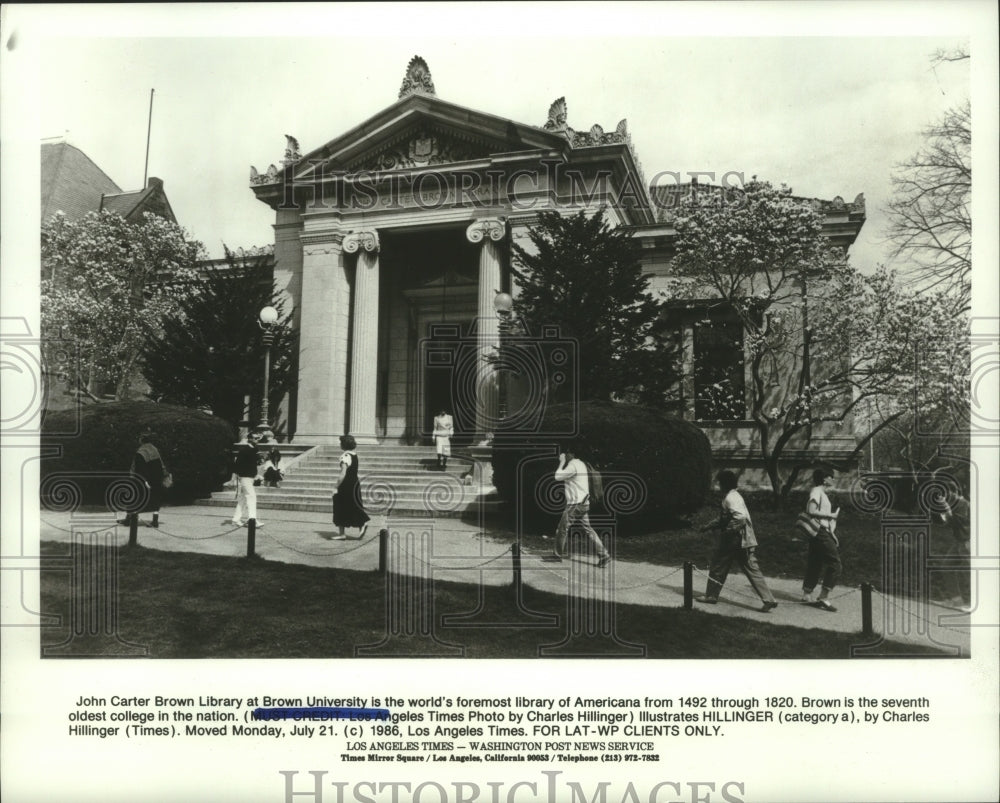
(361, 240)
(492, 227)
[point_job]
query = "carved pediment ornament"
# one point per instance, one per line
(423, 148)
(417, 80)
(598, 136)
(292, 156)
(361, 240)
(270, 177)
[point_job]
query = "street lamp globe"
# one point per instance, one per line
(268, 315)
(503, 304)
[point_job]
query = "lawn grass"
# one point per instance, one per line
(781, 551)
(188, 605)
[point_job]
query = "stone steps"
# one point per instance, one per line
(403, 479)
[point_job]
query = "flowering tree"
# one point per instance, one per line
(209, 351)
(820, 340)
(106, 283)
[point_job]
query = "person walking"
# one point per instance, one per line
(444, 428)
(823, 559)
(576, 484)
(957, 516)
(148, 466)
(247, 474)
(737, 543)
(347, 508)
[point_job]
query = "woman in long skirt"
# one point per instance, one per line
(347, 508)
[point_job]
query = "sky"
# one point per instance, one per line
(827, 115)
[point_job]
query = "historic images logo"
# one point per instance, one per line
(550, 789)
(383, 188)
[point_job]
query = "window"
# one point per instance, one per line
(712, 385)
(719, 385)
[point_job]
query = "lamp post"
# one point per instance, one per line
(503, 305)
(267, 317)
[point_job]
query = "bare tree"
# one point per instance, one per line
(930, 222)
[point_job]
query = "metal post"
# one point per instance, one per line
(501, 376)
(133, 529)
(515, 551)
(688, 585)
(383, 550)
(265, 412)
(251, 537)
(156, 520)
(866, 609)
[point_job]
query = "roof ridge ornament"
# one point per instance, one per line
(292, 152)
(417, 80)
(557, 116)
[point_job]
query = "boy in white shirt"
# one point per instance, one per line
(823, 558)
(737, 542)
(576, 482)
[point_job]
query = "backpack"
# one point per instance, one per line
(596, 483)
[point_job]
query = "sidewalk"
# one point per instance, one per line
(453, 550)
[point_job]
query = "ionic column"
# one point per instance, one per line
(322, 339)
(489, 232)
(364, 353)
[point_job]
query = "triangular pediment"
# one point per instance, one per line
(423, 145)
(420, 131)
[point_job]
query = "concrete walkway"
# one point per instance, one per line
(454, 550)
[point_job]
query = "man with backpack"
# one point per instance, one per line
(574, 475)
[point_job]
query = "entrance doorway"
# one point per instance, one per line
(449, 378)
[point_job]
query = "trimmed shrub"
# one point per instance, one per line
(94, 459)
(655, 467)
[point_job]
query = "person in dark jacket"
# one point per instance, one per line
(246, 470)
(148, 466)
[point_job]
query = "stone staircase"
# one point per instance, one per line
(401, 479)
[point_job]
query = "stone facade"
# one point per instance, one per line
(392, 241)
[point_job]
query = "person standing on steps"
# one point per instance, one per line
(737, 543)
(444, 428)
(576, 482)
(246, 471)
(347, 508)
(823, 559)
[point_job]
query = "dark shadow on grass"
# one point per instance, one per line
(188, 605)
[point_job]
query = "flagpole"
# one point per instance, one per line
(149, 128)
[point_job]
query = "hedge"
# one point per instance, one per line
(655, 467)
(95, 445)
